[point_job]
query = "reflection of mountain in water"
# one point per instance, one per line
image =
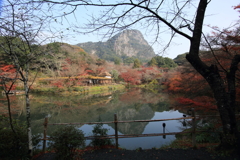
(77, 108)
(142, 113)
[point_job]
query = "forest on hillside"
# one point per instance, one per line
(64, 60)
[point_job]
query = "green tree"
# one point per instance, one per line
(66, 140)
(54, 47)
(153, 62)
(128, 60)
(180, 59)
(117, 61)
(115, 75)
(169, 63)
(136, 63)
(163, 62)
(99, 131)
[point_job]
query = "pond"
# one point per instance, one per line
(134, 104)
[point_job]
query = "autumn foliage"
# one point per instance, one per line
(193, 88)
(131, 77)
(7, 71)
(140, 75)
(7, 75)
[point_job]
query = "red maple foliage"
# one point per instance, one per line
(7, 74)
(57, 83)
(131, 76)
(149, 73)
(8, 71)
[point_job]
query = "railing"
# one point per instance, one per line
(116, 136)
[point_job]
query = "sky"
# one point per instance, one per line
(219, 13)
(0, 7)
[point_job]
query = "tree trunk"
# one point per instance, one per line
(9, 111)
(225, 100)
(28, 116)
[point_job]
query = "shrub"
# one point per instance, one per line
(66, 140)
(13, 143)
(16, 143)
(154, 82)
(99, 131)
(211, 136)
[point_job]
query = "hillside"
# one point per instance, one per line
(60, 56)
(129, 43)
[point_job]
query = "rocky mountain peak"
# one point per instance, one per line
(129, 43)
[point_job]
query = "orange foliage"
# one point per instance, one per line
(7, 71)
(175, 83)
(187, 81)
(7, 74)
(200, 103)
(194, 89)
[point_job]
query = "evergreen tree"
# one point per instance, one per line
(136, 63)
(128, 60)
(117, 61)
(153, 62)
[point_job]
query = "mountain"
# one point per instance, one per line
(129, 43)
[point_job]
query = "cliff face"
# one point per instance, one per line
(129, 43)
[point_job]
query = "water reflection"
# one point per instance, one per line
(135, 104)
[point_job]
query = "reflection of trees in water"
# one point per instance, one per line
(66, 110)
(78, 108)
(138, 95)
(15, 102)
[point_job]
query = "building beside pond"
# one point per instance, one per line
(103, 78)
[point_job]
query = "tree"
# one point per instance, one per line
(21, 33)
(222, 74)
(136, 63)
(163, 62)
(153, 62)
(149, 74)
(131, 77)
(100, 62)
(153, 14)
(180, 59)
(128, 60)
(117, 61)
(196, 93)
(8, 77)
(115, 75)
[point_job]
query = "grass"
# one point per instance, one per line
(79, 89)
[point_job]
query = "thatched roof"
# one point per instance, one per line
(104, 74)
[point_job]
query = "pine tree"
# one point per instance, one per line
(136, 63)
(153, 62)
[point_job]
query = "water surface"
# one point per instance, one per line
(135, 104)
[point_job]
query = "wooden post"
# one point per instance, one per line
(193, 129)
(116, 130)
(164, 125)
(45, 124)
